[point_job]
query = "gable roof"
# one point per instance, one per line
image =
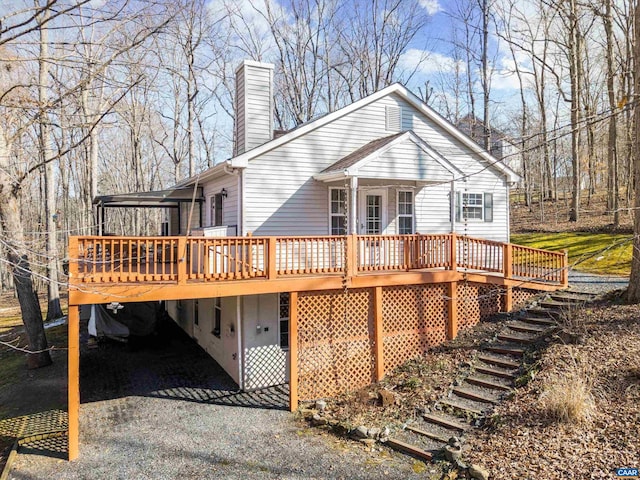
(351, 164)
(242, 161)
(362, 153)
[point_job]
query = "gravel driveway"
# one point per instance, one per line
(167, 411)
(588, 282)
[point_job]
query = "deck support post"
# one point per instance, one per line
(452, 310)
(378, 329)
(507, 299)
(293, 351)
(73, 377)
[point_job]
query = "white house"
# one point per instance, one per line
(384, 165)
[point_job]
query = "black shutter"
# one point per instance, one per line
(488, 207)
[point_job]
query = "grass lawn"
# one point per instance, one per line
(603, 253)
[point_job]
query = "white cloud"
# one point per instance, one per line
(431, 6)
(426, 62)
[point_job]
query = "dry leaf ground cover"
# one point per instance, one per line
(578, 429)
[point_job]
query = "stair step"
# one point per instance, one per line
(496, 372)
(544, 312)
(572, 297)
(408, 448)
(512, 338)
(424, 433)
(445, 421)
(526, 327)
(506, 350)
(474, 395)
(538, 321)
(554, 304)
(481, 382)
(461, 406)
(499, 361)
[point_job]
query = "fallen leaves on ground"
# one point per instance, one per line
(524, 443)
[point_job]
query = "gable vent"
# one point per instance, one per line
(393, 115)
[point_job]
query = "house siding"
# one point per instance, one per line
(229, 204)
(282, 198)
(223, 349)
(196, 216)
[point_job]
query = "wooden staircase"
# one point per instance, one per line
(473, 396)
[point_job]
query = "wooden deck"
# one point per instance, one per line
(106, 269)
(154, 268)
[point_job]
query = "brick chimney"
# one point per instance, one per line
(254, 105)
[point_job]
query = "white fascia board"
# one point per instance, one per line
(332, 176)
(219, 168)
(253, 63)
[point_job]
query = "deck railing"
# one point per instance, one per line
(184, 259)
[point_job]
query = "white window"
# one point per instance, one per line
(474, 206)
(405, 212)
(217, 317)
(338, 211)
(283, 319)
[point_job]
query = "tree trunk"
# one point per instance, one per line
(54, 310)
(11, 220)
(574, 73)
(633, 292)
(612, 151)
(486, 133)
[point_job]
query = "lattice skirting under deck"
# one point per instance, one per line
(336, 332)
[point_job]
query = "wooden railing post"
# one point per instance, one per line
(272, 261)
(74, 259)
(507, 260)
(73, 379)
(293, 351)
(182, 260)
(452, 310)
(453, 251)
(564, 275)
(378, 328)
(408, 258)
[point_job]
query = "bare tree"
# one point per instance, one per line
(633, 292)
(17, 165)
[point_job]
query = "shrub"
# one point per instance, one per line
(568, 397)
